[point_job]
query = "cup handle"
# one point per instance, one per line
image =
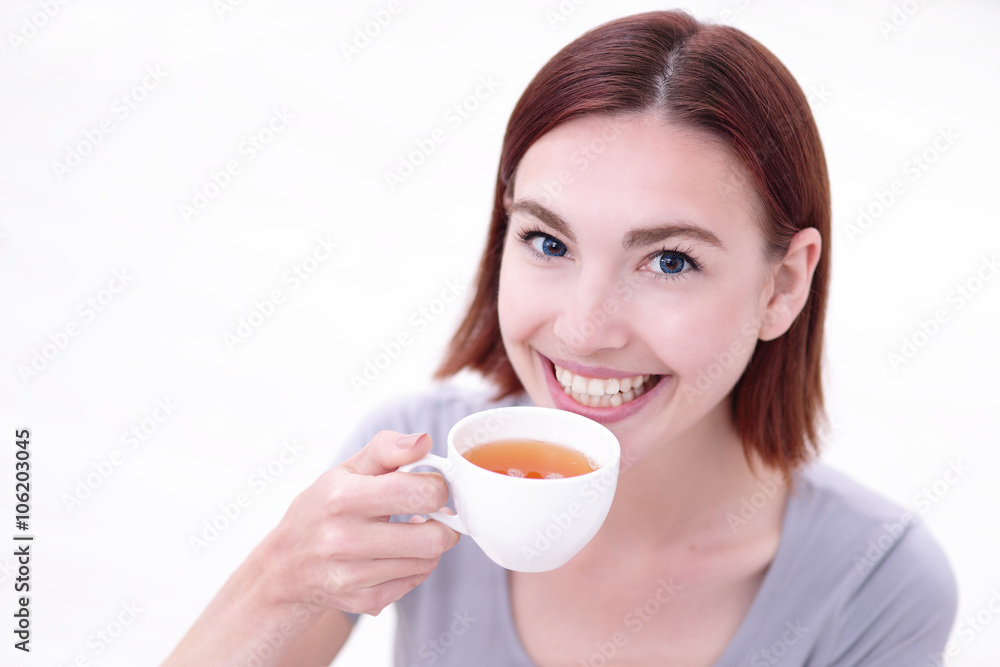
(453, 521)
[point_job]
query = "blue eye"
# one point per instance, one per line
(672, 262)
(546, 245)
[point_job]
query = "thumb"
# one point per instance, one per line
(387, 451)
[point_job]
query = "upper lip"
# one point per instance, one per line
(601, 372)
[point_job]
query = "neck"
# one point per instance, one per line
(683, 492)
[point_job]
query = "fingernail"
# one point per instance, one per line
(408, 441)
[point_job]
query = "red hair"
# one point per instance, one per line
(719, 81)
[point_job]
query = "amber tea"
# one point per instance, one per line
(533, 459)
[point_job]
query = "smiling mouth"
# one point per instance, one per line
(603, 393)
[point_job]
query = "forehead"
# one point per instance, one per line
(636, 170)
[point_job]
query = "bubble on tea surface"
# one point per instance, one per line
(553, 475)
(514, 472)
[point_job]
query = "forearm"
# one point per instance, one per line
(322, 643)
(244, 623)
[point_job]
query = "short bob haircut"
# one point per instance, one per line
(717, 80)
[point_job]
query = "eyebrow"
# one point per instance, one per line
(635, 238)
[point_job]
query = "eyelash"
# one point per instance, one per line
(684, 254)
(530, 234)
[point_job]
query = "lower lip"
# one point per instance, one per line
(564, 401)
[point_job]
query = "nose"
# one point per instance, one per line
(590, 318)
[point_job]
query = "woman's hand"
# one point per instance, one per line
(335, 547)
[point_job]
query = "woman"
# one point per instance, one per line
(658, 261)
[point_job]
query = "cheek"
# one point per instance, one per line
(709, 340)
(515, 304)
(721, 365)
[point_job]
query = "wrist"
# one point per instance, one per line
(264, 578)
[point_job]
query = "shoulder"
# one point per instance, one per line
(883, 579)
(431, 409)
(847, 517)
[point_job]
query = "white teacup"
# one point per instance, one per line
(528, 525)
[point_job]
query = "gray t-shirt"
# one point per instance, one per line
(856, 579)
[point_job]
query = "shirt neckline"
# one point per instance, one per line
(751, 624)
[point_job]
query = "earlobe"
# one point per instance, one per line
(792, 281)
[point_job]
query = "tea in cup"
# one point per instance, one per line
(532, 486)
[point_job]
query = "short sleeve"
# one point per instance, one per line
(363, 431)
(904, 612)
(394, 415)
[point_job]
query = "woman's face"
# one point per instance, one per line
(633, 282)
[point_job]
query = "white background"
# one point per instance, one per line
(879, 99)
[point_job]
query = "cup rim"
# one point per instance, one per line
(564, 414)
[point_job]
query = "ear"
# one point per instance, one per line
(790, 283)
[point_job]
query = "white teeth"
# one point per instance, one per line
(597, 392)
